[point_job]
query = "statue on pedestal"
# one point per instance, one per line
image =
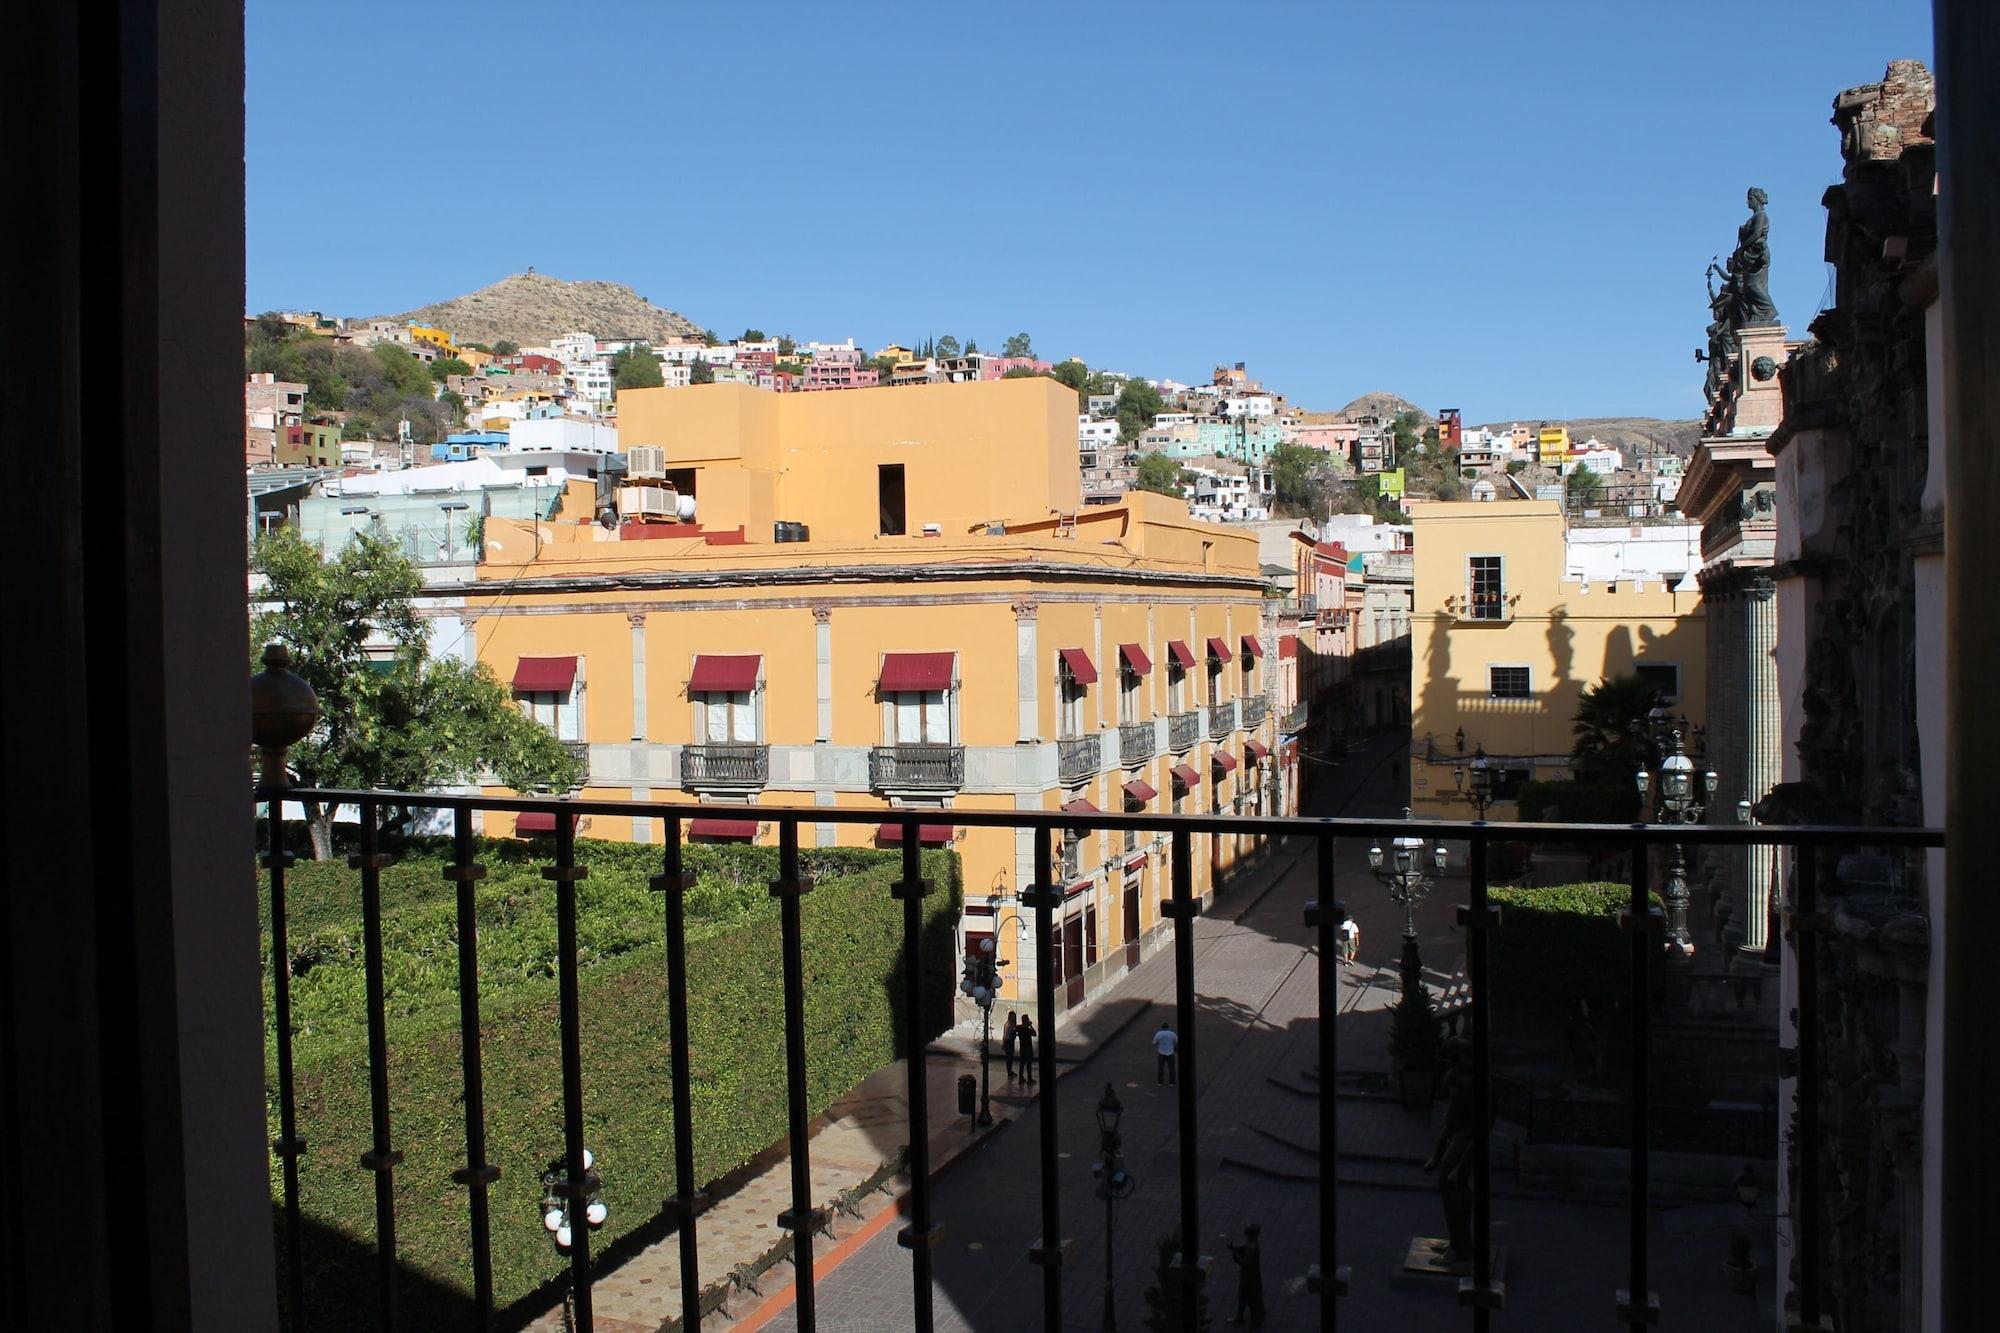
(1751, 265)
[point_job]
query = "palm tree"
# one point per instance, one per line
(1613, 736)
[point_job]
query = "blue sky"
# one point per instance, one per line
(1501, 207)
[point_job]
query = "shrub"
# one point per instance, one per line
(1416, 1034)
(852, 931)
(1559, 945)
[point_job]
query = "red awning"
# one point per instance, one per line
(928, 835)
(911, 672)
(1225, 761)
(1137, 863)
(1251, 646)
(716, 673)
(1186, 776)
(1080, 807)
(1181, 654)
(1257, 749)
(1081, 669)
(1135, 658)
(538, 821)
(1219, 649)
(544, 675)
(1288, 646)
(1139, 791)
(736, 830)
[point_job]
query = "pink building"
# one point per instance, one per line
(840, 368)
(997, 366)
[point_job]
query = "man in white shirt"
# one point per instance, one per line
(1350, 940)
(1165, 1042)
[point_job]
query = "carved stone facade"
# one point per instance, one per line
(1852, 456)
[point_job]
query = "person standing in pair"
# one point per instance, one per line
(1165, 1043)
(1007, 1039)
(1024, 1041)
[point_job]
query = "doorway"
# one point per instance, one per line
(889, 499)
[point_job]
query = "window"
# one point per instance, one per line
(889, 492)
(727, 716)
(1507, 781)
(1072, 705)
(554, 709)
(1128, 694)
(1075, 674)
(1664, 677)
(1508, 682)
(1485, 588)
(920, 717)
(1176, 687)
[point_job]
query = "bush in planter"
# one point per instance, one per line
(1416, 1034)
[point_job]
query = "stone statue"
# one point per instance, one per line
(1721, 335)
(1750, 266)
(1452, 1157)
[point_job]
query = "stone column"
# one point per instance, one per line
(641, 765)
(1027, 679)
(1763, 760)
(823, 673)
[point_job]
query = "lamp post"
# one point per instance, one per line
(1401, 871)
(557, 1219)
(1480, 793)
(982, 984)
(1114, 1182)
(1677, 802)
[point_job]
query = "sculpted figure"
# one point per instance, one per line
(1750, 266)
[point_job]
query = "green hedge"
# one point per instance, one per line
(852, 953)
(1561, 944)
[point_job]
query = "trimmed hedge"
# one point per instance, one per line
(1559, 945)
(852, 953)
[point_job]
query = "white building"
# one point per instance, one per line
(1601, 459)
(1225, 492)
(1664, 551)
(1093, 435)
(568, 434)
(1250, 405)
(575, 349)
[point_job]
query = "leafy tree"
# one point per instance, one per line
(400, 720)
(1405, 428)
(1612, 738)
(709, 339)
(636, 368)
(700, 372)
(1160, 474)
(885, 366)
(506, 347)
(448, 365)
(1300, 476)
(455, 403)
(1139, 403)
(790, 368)
(1019, 344)
(408, 376)
(1077, 376)
(1516, 466)
(947, 346)
(1024, 373)
(787, 344)
(475, 347)
(1583, 486)
(752, 336)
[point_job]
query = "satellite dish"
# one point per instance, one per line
(608, 517)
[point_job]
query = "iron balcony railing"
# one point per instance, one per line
(1183, 730)
(1255, 708)
(1136, 743)
(1296, 719)
(1221, 720)
(718, 766)
(579, 751)
(1628, 1295)
(926, 767)
(1298, 608)
(1079, 757)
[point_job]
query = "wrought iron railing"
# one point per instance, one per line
(1079, 757)
(1296, 719)
(1298, 608)
(1634, 1303)
(1255, 708)
(927, 767)
(735, 764)
(579, 751)
(1183, 730)
(1136, 743)
(1221, 720)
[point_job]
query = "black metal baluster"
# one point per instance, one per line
(477, 1174)
(801, 1219)
(920, 1236)
(1479, 917)
(1805, 923)
(288, 1145)
(1637, 1304)
(1184, 908)
(687, 1203)
(1329, 1278)
(381, 1158)
(1046, 898)
(578, 1182)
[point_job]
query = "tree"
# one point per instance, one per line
(971, 346)
(1073, 373)
(1019, 344)
(1612, 737)
(752, 336)
(787, 344)
(636, 368)
(700, 372)
(1299, 478)
(947, 346)
(1583, 486)
(1160, 474)
(448, 365)
(1024, 373)
(408, 376)
(403, 720)
(506, 347)
(1139, 403)
(1405, 428)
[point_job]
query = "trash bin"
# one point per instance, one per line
(968, 1094)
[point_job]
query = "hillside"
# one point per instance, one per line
(533, 308)
(1384, 405)
(1679, 437)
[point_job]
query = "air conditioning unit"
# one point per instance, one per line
(645, 502)
(646, 460)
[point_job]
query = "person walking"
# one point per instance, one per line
(1007, 1039)
(1167, 1067)
(1249, 1259)
(1350, 940)
(1024, 1042)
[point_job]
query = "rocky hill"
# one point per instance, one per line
(1384, 405)
(532, 308)
(1679, 437)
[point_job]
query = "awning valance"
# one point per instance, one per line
(1218, 648)
(1225, 761)
(1257, 749)
(1251, 646)
(1077, 662)
(1135, 658)
(734, 830)
(1139, 791)
(928, 835)
(718, 673)
(544, 675)
(1182, 655)
(538, 821)
(1186, 776)
(912, 672)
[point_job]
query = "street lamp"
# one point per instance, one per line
(1114, 1182)
(1401, 871)
(1480, 793)
(981, 984)
(1678, 801)
(557, 1219)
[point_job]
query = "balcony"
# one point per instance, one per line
(1255, 709)
(1628, 1133)
(1295, 720)
(1136, 742)
(925, 767)
(1183, 730)
(579, 751)
(736, 766)
(1079, 757)
(1221, 720)
(1298, 608)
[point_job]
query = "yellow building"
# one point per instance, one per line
(437, 338)
(893, 600)
(1552, 444)
(311, 444)
(1515, 617)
